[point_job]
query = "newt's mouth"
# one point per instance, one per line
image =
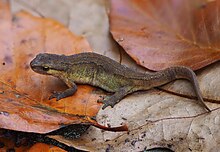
(40, 69)
(37, 66)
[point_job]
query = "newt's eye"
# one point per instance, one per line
(45, 68)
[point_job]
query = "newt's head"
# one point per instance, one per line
(49, 64)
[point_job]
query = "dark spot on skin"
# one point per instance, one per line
(4, 113)
(2, 92)
(116, 140)
(107, 140)
(93, 139)
(3, 63)
(8, 59)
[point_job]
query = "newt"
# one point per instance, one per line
(100, 71)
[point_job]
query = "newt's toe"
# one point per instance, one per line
(57, 95)
(108, 103)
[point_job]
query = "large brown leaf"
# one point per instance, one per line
(24, 104)
(159, 34)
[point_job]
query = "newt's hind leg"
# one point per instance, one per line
(116, 97)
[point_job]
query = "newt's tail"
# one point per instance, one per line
(173, 73)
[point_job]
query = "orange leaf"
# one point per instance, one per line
(159, 34)
(24, 93)
(45, 148)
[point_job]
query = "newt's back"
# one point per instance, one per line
(102, 71)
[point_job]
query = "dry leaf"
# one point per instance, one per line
(159, 34)
(156, 120)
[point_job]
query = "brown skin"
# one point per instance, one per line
(101, 71)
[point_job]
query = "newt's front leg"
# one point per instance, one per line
(116, 97)
(66, 93)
